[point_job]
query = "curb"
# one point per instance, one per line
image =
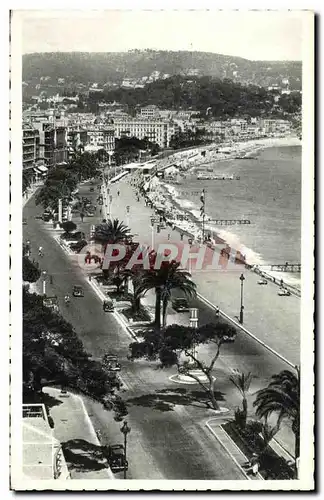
(241, 327)
(229, 453)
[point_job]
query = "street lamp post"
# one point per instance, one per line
(44, 275)
(125, 429)
(190, 241)
(127, 215)
(242, 306)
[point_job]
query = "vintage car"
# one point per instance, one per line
(78, 291)
(283, 292)
(180, 305)
(108, 306)
(262, 281)
(116, 457)
(24, 221)
(91, 190)
(51, 302)
(110, 362)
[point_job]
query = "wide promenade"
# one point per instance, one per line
(273, 319)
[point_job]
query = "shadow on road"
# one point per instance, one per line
(50, 401)
(83, 456)
(167, 399)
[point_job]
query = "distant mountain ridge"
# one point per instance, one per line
(86, 67)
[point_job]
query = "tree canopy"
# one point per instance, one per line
(53, 354)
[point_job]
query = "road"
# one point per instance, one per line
(168, 439)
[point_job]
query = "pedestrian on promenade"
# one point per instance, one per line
(82, 216)
(281, 283)
(51, 280)
(168, 236)
(118, 193)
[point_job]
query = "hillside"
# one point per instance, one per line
(85, 68)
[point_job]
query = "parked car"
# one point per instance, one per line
(91, 190)
(283, 292)
(24, 221)
(110, 362)
(47, 216)
(51, 302)
(77, 247)
(262, 281)
(78, 291)
(116, 457)
(78, 235)
(108, 306)
(180, 305)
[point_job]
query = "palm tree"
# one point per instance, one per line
(113, 231)
(282, 396)
(165, 279)
(135, 277)
(268, 433)
(242, 382)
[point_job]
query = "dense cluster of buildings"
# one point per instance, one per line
(50, 136)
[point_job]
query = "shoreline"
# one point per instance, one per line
(163, 194)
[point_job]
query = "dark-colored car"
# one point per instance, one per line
(116, 457)
(47, 216)
(180, 305)
(108, 306)
(78, 291)
(51, 302)
(78, 235)
(77, 247)
(91, 190)
(110, 362)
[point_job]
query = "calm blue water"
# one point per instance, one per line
(268, 193)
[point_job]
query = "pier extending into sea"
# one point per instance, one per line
(287, 268)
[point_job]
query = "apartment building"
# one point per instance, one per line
(101, 136)
(150, 112)
(76, 136)
(30, 145)
(156, 130)
(53, 142)
(273, 127)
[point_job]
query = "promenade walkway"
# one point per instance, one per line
(273, 319)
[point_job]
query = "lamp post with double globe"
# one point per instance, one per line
(242, 306)
(125, 429)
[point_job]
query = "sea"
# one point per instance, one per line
(268, 193)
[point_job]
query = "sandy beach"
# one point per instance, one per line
(163, 194)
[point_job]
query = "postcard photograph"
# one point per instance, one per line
(162, 214)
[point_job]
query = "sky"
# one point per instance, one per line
(255, 35)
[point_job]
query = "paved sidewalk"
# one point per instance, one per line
(272, 319)
(73, 428)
